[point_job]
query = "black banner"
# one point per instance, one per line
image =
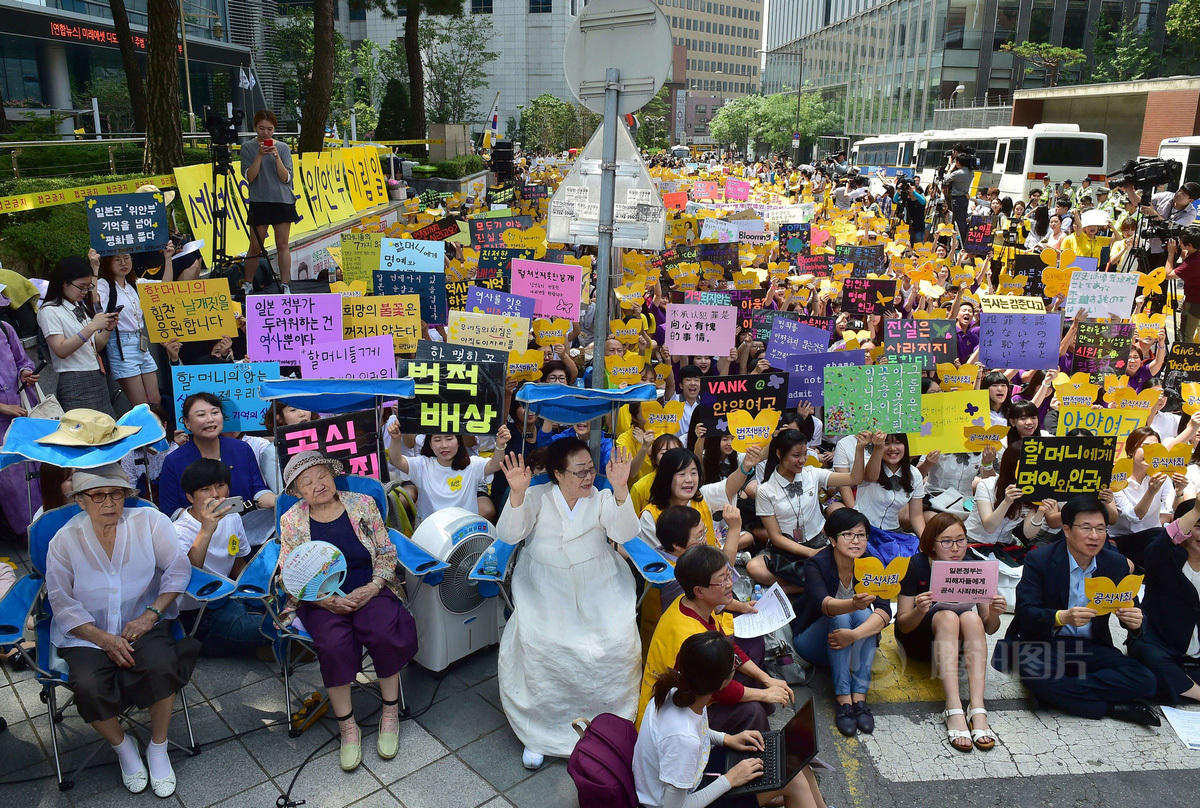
(438, 231)
(1183, 365)
(1059, 468)
(721, 395)
(428, 350)
(456, 398)
(352, 438)
(489, 232)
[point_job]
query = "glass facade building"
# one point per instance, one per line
(891, 63)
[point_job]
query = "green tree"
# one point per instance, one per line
(291, 55)
(116, 104)
(164, 129)
(653, 131)
(1124, 54)
(1051, 59)
(735, 122)
(776, 120)
(1183, 20)
(456, 57)
(550, 124)
(393, 113)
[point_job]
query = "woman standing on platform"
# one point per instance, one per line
(267, 167)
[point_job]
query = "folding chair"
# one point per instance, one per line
(29, 597)
(257, 581)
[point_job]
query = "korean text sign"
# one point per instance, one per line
(397, 315)
(360, 256)
(695, 330)
(429, 286)
(964, 581)
(452, 397)
(868, 295)
(556, 288)
(493, 301)
(753, 393)
(925, 342)
(1102, 348)
(875, 397)
(412, 254)
(235, 383)
(351, 438)
(790, 337)
(449, 352)
(279, 326)
(1057, 468)
(126, 222)
(188, 311)
(366, 358)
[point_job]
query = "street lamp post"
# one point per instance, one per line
(187, 73)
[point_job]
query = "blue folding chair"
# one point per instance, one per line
(258, 582)
(29, 597)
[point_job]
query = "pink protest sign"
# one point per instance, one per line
(737, 190)
(366, 358)
(705, 189)
(818, 237)
(964, 581)
(695, 330)
(279, 327)
(556, 288)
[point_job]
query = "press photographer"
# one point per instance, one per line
(910, 209)
(957, 188)
(1183, 262)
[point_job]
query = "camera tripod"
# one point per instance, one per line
(224, 265)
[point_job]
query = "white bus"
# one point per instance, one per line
(1017, 159)
(1187, 151)
(894, 154)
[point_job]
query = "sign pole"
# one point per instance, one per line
(604, 251)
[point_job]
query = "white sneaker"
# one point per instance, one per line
(531, 759)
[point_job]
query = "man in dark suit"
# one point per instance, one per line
(1169, 644)
(1061, 648)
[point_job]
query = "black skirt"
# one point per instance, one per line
(267, 213)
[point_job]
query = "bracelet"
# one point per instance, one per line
(151, 608)
(81, 336)
(1058, 618)
(748, 472)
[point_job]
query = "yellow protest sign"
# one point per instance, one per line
(1190, 391)
(752, 430)
(977, 438)
(1147, 326)
(1115, 422)
(398, 315)
(1076, 390)
(1120, 475)
(360, 256)
(1106, 597)
(1012, 304)
(624, 370)
(309, 175)
(662, 419)
(334, 198)
(488, 330)
(526, 365)
(551, 332)
(875, 579)
(954, 378)
(625, 332)
(201, 198)
(1160, 460)
(354, 185)
(188, 311)
(944, 416)
(1124, 396)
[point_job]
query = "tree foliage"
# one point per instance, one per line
(1124, 54)
(770, 121)
(291, 55)
(1051, 59)
(654, 131)
(455, 50)
(735, 122)
(1183, 20)
(393, 113)
(550, 124)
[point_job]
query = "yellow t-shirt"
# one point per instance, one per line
(673, 628)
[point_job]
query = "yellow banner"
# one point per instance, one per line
(65, 196)
(188, 311)
(350, 160)
(360, 256)
(201, 198)
(336, 201)
(310, 173)
(398, 315)
(488, 331)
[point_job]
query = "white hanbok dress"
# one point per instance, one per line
(571, 647)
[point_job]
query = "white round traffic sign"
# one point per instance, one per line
(633, 36)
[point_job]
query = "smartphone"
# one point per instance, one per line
(268, 143)
(117, 310)
(232, 505)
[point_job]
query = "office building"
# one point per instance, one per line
(723, 42)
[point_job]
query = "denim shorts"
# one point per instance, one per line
(135, 363)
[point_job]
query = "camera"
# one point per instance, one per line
(224, 131)
(1147, 174)
(1157, 228)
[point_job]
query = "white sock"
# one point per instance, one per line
(156, 758)
(127, 755)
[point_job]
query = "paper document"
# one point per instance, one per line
(774, 611)
(1186, 723)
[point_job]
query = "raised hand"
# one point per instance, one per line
(518, 476)
(617, 470)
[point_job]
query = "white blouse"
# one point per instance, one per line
(86, 586)
(882, 506)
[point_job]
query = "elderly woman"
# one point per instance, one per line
(112, 577)
(370, 614)
(571, 646)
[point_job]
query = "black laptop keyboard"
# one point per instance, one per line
(770, 754)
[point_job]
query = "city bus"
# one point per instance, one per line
(1017, 159)
(894, 154)
(1187, 151)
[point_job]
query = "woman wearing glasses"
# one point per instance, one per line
(76, 333)
(931, 630)
(571, 646)
(112, 577)
(838, 627)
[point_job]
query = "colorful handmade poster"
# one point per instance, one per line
(188, 311)
(874, 397)
(695, 330)
(278, 327)
(944, 416)
(235, 383)
(556, 288)
(366, 358)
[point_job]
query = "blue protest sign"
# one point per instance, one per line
(412, 254)
(494, 301)
(791, 337)
(126, 222)
(806, 374)
(1023, 341)
(431, 286)
(235, 383)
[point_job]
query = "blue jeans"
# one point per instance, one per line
(227, 628)
(851, 667)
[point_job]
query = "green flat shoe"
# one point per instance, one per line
(388, 743)
(351, 753)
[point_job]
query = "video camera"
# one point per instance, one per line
(1146, 175)
(970, 161)
(224, 131)
(1164, 230)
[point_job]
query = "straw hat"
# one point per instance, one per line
(83, 427)
(110, 476)
(151, 188)
(306, 460)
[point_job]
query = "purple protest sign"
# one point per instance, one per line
(279, 327)
(694, 330)
(790, 337)
(964, 581)
(1022, 341)
(806, 374)
(494, 301)
(366, 358)
(556, 288)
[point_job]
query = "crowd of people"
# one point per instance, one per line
(797, 509)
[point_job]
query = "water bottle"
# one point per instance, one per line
(741, 588)
(490, 565)
(757, 593)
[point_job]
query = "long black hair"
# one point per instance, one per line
(784, 441)
(671, 463)
(68, 270)
(703, 666)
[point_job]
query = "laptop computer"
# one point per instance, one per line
(786, 752)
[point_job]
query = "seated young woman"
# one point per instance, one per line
(931, 630)
(674, 749)
(446, 475)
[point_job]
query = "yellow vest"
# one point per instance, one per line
(673, 628)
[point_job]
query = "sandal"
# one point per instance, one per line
(956, 735)
(351, 753)
(984, 739)
(387, 743)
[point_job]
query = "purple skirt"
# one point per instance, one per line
(384, 627)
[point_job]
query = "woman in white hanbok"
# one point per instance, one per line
(571, 647)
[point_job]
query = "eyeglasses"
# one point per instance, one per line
(100, 497)
(948, 543)
(1101, 529)
(87, 288)
(853, 536)
(586, 474)
(724, 581)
